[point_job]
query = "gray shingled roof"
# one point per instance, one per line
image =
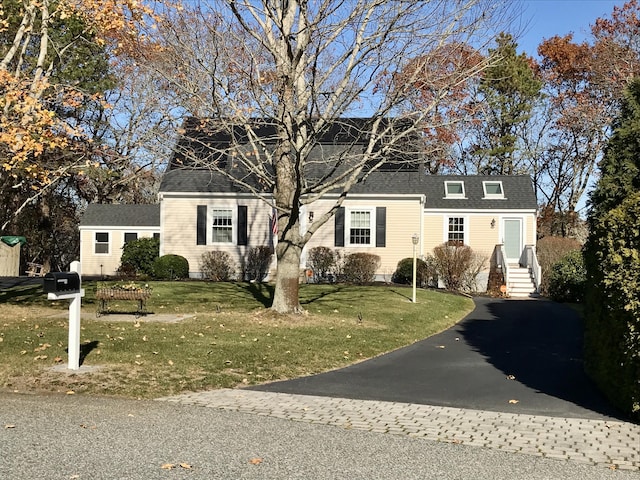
(193, 181)
(107, 215)
(518, 193)
(518, 189)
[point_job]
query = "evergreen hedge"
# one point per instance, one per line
(612, 260)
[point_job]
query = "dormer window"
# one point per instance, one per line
(493, 189)
(454, 189)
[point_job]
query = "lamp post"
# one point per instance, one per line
(414, 240)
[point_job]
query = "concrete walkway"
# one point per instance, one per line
(610, 444)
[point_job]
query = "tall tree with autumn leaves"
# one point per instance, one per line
(54, 75)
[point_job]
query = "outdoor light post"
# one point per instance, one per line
(414, 239)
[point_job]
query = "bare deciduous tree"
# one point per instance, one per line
(300, 68)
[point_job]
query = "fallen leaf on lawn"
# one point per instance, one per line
(70, 392)
(168, 466)
(186, 466)
(612, 467)
(511, 377)
(170, 362)
(57, 359)
(40, 357)
(255, 461)
(514, 401)
(144, 339)
(23, 352)
(1, 339)
(74, 477)
(10, 425)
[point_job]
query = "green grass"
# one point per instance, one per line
(232, 339)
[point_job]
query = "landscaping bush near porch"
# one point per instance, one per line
(231, 339)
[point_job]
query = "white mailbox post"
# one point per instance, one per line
(68, 286)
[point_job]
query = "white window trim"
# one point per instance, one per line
(347, 226)
(465, 231)
(493, 196)
(454, 195)
(108, 242)
(234, 224)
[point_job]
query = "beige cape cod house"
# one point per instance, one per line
(200, 211)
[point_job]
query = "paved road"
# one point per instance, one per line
(51, 437)
(505, 350)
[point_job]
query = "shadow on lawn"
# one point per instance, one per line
(19, 289)
(262, 292)
(85, 350)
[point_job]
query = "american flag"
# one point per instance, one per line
(274, 221)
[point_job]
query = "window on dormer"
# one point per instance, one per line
(454, 189)
(493, 189)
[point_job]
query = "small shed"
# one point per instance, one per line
(10, 255)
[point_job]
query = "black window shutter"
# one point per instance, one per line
(242, 225)
(339, 230)
(381, 226)
(201, 228)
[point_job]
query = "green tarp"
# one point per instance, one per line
(13, 240)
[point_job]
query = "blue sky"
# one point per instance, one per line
(546, 18)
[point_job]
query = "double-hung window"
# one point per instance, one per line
(360, 227)
(222, 225)
(455, 234)
(101, 242)
(130, 237)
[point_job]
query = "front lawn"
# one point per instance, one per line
(230, 340)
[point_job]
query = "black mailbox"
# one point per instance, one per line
(57, 282)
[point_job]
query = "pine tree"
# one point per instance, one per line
(510, 89)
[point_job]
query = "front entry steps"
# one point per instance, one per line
(521, 283)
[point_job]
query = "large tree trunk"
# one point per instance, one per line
(288, 252)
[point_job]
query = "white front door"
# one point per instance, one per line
(512, 239)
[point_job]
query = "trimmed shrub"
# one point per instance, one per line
(453, 263)
(360, 268)
(258, 261)
(138, 256)
(404, 272)
(323, 262)
(171, 267)
(551, 250)
(567, 279)
(217, 266)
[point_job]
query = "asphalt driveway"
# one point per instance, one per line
(519, 356)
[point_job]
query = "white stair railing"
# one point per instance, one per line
(501, 259)
(531, 262)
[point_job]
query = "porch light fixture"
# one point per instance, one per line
(493, 223)
(414, 240)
